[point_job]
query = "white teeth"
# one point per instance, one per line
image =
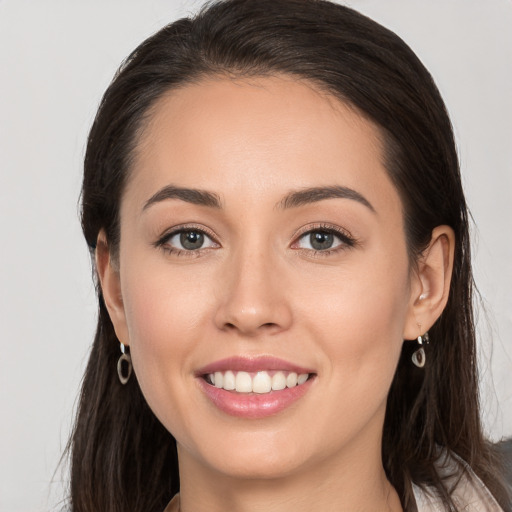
(303, 377)
(229, 381)
(261, 383)
(291, 380)
(278, 381)
(243, 382)
(218, 379)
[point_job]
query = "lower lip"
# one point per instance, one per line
(254, 405)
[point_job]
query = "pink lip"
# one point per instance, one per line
(253, 405)
(252, 364)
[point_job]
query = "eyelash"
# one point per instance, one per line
(346, 239)
(163, 241)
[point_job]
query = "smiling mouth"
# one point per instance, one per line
(260, 382)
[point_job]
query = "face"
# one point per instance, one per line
(262, 249)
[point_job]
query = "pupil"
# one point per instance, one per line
(321, 240)
(191, 239)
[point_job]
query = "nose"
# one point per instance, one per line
(252, 299)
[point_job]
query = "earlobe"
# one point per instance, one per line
(431, 286)
(109, 278)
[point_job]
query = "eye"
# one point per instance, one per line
(324, 240)
(318, 241)
(186, 240)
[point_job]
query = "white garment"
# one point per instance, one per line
(469, 493)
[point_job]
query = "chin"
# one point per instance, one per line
(252, 455)
(258, 468)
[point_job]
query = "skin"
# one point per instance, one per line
(258, 289)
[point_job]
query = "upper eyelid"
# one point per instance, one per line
(188, 227)
(322, 226)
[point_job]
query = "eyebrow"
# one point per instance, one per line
(315, 194)
(189, 195)
(292, 200)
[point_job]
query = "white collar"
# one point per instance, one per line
(469, 493)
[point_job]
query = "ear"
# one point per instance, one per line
(430, 283)
(108, 274)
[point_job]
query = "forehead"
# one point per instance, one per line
(256, 138)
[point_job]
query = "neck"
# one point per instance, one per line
(353, 482)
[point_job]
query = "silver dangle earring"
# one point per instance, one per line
(124, 365)
(418, 357)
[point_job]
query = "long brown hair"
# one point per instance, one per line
(122, 458)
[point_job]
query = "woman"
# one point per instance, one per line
(272, 197)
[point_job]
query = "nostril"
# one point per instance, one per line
(230, 326)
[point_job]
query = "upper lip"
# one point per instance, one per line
(251, 364)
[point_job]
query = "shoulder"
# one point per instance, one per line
(468, 492)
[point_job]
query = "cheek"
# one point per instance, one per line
(359, 317)
(164, 318)
(162, 303)
(358, 329)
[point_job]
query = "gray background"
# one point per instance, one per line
(56, 59)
